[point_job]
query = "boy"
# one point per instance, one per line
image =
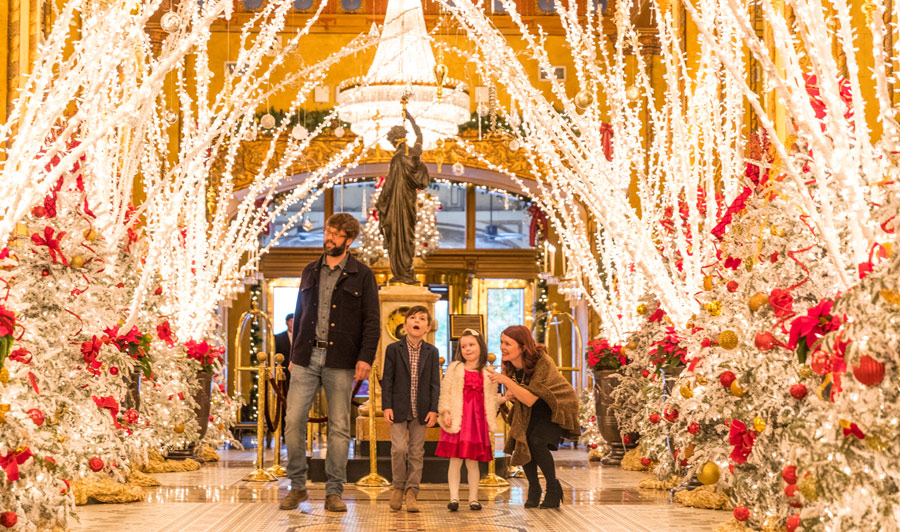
(410, 392)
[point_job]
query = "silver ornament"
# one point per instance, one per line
(267, 121)
(170, 22)
(170, 116)
(299, 132)
(514, 145)
(339, 131)
(584, 99)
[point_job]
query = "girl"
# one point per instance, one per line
(545, 408)
(468, 414)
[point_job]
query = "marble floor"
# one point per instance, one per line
(215, 499)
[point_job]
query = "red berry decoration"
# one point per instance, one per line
(732, 286)
(44, 273)
(131, 416)
(869, 372)
(671, 415)
(798, 391)
(113, 371)
(36, 416)
(741, 513)
(9, 519)
(96, 464)
(792, 523)
(726, 378)
(645, 462)
(790, 490)
(593, 446)
(789, 474)
(764, 341)
(694, 428)
(820, 362)
(654, 418)
(645, 373)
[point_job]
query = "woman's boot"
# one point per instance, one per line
(554, 495)
(534, 495)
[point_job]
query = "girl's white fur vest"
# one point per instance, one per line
(452, 397)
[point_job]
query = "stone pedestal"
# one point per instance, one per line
(393, 298)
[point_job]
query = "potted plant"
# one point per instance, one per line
(606, 360)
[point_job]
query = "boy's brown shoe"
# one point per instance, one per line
(292, 499)
(333, 503)
(412, 505)
(396, 500)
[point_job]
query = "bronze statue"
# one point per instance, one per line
(397, 202)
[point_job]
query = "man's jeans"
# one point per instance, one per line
(305, 384)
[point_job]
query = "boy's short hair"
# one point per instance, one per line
(416, 310)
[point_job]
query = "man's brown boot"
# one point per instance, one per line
(333, 503)
(293, 499)
(396, 500)
(412, 505)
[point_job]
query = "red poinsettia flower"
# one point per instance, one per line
(89, 351)
(782, 302)
(742, 440)
(164, 331)
(817, 322)
(602, 355)
(203, 353)
(7, 321)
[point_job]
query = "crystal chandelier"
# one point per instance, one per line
(404, 66)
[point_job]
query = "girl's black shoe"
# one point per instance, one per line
(554, 496)
(453, 505)
(474, 506)
(534, 496)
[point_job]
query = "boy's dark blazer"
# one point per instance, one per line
(396, 381)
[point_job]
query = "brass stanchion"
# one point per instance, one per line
(261, 475)
(511, 470)
(492, 479)
(373, 479)
(277, 469)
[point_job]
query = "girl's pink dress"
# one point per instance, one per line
(472, 441)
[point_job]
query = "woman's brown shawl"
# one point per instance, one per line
(548, 384)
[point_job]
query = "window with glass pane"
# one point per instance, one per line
(451, 219)
(351, 198)
(502, 221)
(307, 232)
(505, 307)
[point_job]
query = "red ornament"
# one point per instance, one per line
(790, 490)
(44, 273)
(645, 462)
(732, 286)
(626, 439)
(654, 418)
(645, 373)
(593, 446)
(9, 519)
(39, 211)
(96, 464)
(694, 428)
(792, 523)
(131, 416)
(798, 391)
(820, 362)
(113, 371)
(741, 513)
(764, 341)
(36, 416)
(726, 378)
(683, 462)
(789, 474)
(671, 415)
(869, 372)
(795, 503)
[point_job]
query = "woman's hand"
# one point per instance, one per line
(509, 396)
(499, 378)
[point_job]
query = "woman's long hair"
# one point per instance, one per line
(531, 351)
(482, 348)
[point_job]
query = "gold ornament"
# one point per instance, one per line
(686, 392)
(701, 380)
(21, 229)
(709, 473)
(808, 488)
(758, 300)
(90, 235)
(728, 339)
(714, 308)
(890, 296)
(875, 443)
(61, 438)
(584, 99)
(178, 428)
(4, 375)
(736, 389)
(806, 372)
(3, 410)
(77, 261)
(888, 249)
(641, 309)
(776, 231)
(758, 424)
(708, 283)
(689, 451)
(748, 265)
(221, 426)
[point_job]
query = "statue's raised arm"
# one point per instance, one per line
(417, 147)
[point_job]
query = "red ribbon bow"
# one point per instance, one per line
(110, 404)
(742, 439)
(11, 461)
(51, 243)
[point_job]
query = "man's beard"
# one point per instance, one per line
(336, 251)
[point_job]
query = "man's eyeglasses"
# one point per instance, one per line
(337, 234)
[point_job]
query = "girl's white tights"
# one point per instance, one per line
(453, 478)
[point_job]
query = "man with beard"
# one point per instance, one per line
(335, 336)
